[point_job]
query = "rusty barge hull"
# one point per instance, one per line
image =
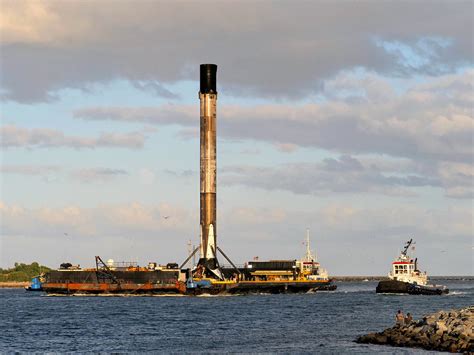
(106, 288)
(113, 282)
(177, 289)
(180, 288)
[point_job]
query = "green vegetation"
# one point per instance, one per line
(22, 272)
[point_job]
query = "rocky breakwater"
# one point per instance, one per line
(443, 331)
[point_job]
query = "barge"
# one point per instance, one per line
(128, 279)
(112, 278)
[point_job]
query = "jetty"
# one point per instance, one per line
(442, 331)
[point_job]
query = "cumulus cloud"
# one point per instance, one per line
(14, 136)
(362, 113)
(268, 49)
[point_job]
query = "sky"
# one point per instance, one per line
(351, 119)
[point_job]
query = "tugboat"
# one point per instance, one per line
(406, 278)
(36, 284)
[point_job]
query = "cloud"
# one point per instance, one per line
(250, 151)
(344, 235)
(128, 232)
(155, 88)
(14, 136)
(146, 176)
(92, 222)
(135, 230)
(268, 50)
(48, 173)
(52, 173)
(98, 174)
(457, 179)
(347, 174)
(344, 175)
(183, 173)
(338, 220)
(286, 147)
(362, 113)
(166, 114)
(29, 169)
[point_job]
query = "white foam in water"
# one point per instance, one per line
(220, 295)
(456, 293)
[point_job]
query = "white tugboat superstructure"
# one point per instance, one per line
(404, 269)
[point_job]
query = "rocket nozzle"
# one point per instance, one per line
(208, 79)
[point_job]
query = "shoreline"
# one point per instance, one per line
(14, 284)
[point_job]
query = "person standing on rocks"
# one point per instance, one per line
(400, 318)
(408, 318)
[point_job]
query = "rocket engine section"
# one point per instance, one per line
(208, 168)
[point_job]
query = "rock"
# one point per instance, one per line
(442, 331)
(440, 328)
(453, 348)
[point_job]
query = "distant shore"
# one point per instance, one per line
(14, 284)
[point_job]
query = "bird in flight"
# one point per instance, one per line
(166, 217)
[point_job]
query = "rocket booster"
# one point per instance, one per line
(208, 168)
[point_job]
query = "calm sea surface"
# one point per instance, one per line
(324, 322)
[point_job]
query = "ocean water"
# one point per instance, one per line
(323, 322)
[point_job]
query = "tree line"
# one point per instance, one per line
(22, 272)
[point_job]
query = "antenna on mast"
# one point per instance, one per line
(407, 245)
(309, 254)
(190, 250)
